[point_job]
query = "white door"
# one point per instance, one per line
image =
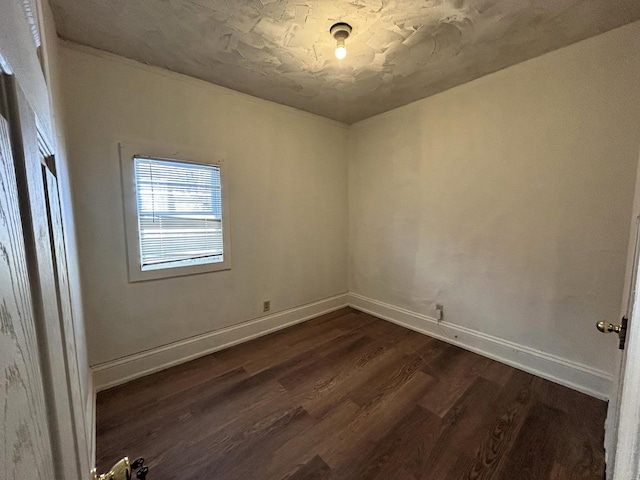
(43, 425)
(626, 403)
(26, 450)
(622, 435)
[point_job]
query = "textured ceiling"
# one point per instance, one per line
(399, 51)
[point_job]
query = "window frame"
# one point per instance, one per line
(128, 152)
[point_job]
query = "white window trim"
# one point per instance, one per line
(127, 153)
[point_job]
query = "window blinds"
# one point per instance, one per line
(179, 213)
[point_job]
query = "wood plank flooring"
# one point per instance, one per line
(349, 396)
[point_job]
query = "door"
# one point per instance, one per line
(27, 451)
(49, 424)
(626, 403)
(622, 435)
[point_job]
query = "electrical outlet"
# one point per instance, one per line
(266, 305)
(439, 312)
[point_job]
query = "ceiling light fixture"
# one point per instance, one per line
(340, 31)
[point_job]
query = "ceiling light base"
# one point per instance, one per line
(340, 31)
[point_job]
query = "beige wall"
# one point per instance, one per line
(507, 199)
(287, 177)
(17, 50)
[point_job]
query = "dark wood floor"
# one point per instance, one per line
(350, 396)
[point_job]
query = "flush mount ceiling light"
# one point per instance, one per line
(340, 31)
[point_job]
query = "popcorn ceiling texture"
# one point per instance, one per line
(399, 51)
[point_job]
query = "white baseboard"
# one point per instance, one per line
(591, 381)
(596, 383)
(116, 372)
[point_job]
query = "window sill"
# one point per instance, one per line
(159, 273)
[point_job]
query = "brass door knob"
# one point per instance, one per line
(120, 471)
(621, 330)
(606, 327)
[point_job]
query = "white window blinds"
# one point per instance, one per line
(179, 213)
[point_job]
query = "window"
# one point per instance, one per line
(179, 225)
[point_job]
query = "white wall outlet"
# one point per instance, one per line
(266, 305)
(439, 312)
